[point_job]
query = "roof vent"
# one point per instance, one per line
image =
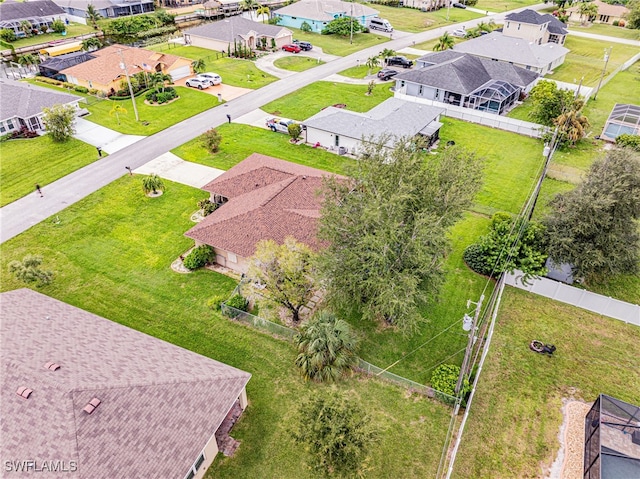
(52, 366)
(24, 392)
(92, 405)
(304, 177)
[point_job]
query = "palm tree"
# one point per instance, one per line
(250, 5)
(26, 27)
(445, 42)
(152, 184)
(326, 347)
(573, 124)
(92, 43)
(161, 80)
(28, 59)
(372, 62)
(588, 10)
(116, 110)
(386, 53)
(198, 65)
(263, 10)
(93, 16)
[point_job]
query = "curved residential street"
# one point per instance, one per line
(32, 209)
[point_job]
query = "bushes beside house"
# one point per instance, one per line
(159, 96)
(199, 256)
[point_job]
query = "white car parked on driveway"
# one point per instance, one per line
(210, 77)
(197, 83)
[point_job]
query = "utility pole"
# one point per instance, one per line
(351, 24)
(547, 153)
(607, 54)
(579, 86)
(472, 338)
(123, 65)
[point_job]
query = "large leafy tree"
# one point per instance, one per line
(588, 11)
(326, 347)
(548, 102)
(633, 17)
(342, 26)
(287, 271)
(59, 121)
(386, 228)
(595, 226)
(336, 433)
(510, 244)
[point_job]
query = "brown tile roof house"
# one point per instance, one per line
(105, 72)
(157, 405)
(267, 198)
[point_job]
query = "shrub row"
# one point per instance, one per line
(67, 85)
(199, 256)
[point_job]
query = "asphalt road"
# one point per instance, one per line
(26, 212)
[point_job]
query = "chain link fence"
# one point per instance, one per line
(362, 366)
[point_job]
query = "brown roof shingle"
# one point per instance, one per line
(268, 199)
(105, 68)
(160, 403)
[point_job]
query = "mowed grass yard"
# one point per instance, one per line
(309, 100)
(340, 46)
(111, 254)
(586, 58)
(73, 29)
(516, 414)
(297, 63)
(39, 160)
(415, 21)
(498, 6)
(605, 29)
(234, 71)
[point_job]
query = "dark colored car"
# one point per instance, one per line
(387, 74)
(292, 48)
(306, 46)
(400, 61)
(458, 5)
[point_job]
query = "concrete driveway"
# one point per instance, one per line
(109, 140)
(265, 62)
(228, 92)
(173, 168)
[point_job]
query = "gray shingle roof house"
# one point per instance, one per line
(77, 9)
(220, 35)
(535, 27)
(318, 13)
(260, 198)
(85, 394)
(337, 128)
(465, 80)
(523, 53)
(21, 105)
(38, 13)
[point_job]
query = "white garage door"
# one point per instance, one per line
(181, 72)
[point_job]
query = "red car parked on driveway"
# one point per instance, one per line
(292, 48)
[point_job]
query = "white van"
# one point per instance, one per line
(379, 24)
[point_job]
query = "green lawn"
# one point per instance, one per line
(297, 63)
(152, 118)
(608, 30)
(111, 253)
(309, 100)
(39, 160)
(586, 58)
(428, 45)
(513, 163)
(337, 45)
(360, 71)
(516, 414)
(498, 6)
(240, 141)
(234, 71)
(415, 21)
(73, 30)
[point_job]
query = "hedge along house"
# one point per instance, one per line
(345, 131)
(21, 105)
(95, 399)
(260, 198)
(77, 9)
(222, 35)
(318, 13)
(465, 80)
(105, 72)
(624, 119)
(40, 14)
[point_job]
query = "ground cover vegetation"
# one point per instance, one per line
(309, 100)
(607, 30)
(73, 29)
(27, 161)
(111, 253)
(340, 45)
(516, 414)
(415, 21)
(297, 64)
